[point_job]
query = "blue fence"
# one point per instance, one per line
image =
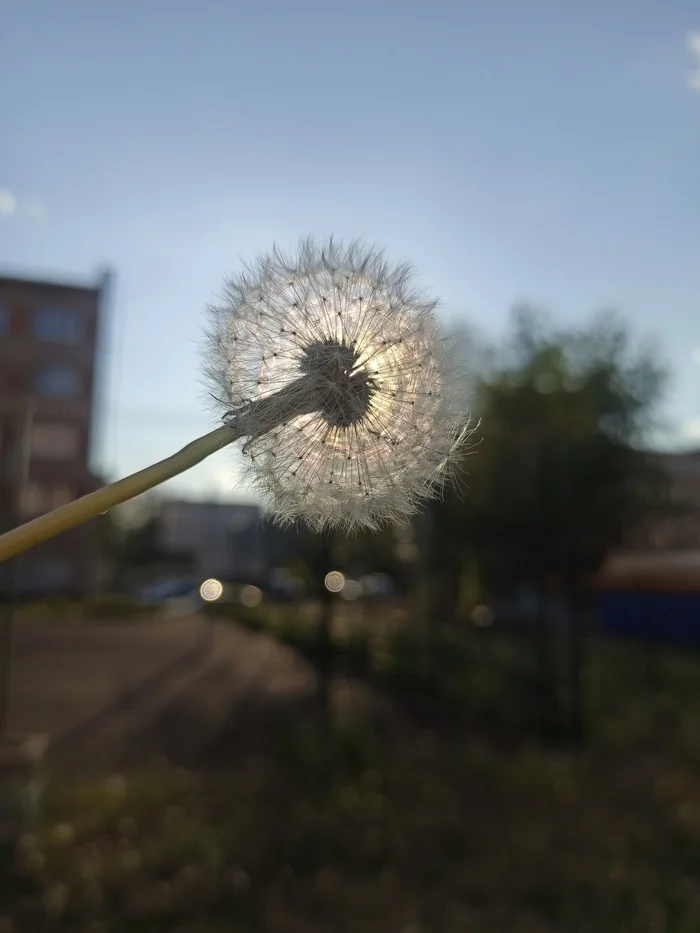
(659, 615)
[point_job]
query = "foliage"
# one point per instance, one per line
(349, 831)
(466, 676)
(561, 477)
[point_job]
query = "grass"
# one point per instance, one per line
(348, 831)
(343, 832)
(489, 678)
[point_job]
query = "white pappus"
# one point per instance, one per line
(373, 416)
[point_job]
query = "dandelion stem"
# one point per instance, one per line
(257, 417)
(102, 500)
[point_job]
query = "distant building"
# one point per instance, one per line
(679, 529)
(49, 381)
(224, 540)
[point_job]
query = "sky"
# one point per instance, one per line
(541, 152)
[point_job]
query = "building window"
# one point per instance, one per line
(59, 325)
(57, 380)
(54, 441)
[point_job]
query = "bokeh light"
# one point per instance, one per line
(211, 590)
(251, 596)
(334, 581)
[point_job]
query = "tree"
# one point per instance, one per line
(561, 477)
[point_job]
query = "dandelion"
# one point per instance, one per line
(374, 417)
(330, 366)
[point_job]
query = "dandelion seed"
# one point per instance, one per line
(450, 468)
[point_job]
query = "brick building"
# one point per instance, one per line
(49, 382)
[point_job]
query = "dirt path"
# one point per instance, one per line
(114, 695)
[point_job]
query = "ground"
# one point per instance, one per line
(316, 828)
(132, 690)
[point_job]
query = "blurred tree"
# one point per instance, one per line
(561, 477)
(564, 420)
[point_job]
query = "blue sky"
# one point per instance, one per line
(513, 151)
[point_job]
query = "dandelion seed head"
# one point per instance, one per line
(344, 337)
